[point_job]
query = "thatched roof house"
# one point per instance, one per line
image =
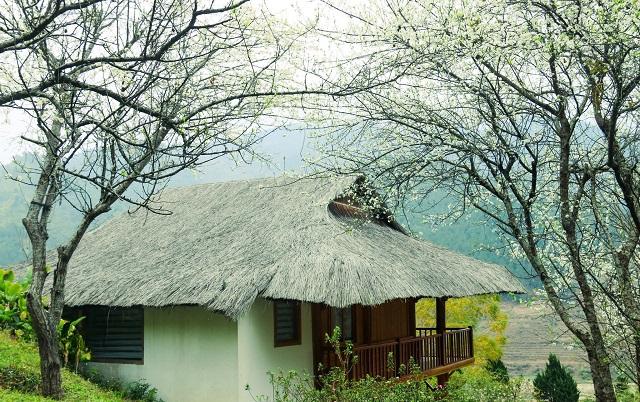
(287, 261)
(227, 243)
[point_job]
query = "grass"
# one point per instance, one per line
(21, 358)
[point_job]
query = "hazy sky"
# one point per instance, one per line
(14, 123)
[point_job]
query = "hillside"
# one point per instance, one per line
(532, 333)
(19, 368)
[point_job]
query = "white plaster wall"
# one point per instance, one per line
(257, 355)
(190, 355)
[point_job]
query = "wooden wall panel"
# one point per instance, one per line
(391, 320)
(386, 321)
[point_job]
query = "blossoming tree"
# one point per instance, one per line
(526, 111)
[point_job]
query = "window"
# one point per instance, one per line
(343, 318)
(114, 334)
(286, 322)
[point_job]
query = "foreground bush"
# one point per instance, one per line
(20, 376)
(132, 391)
(555, 383)
(14, 318)
(498, 370)
(470, 385)
(474, 384)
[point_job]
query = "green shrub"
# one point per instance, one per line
(474, 385)
(141, 391)
(19, 379)
(15, 318)
(73, 350)
(106, 383)
(628, 395)
(622, 383)
(498, 370)
(555, 383)
(470, 385)
(133, 391)
(13, 306)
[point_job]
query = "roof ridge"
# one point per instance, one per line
(295, 179)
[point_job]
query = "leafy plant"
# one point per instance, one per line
(476, 384)
(498, 370)
(13, 377)
(14, 315)
(72, 346)
(104, 382)
(622, 383)
(555, 383)
(141, 391)
(473, 385)
(134, 391)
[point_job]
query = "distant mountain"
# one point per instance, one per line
(471, 237)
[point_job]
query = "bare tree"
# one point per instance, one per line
(527, 112)
(23, 25)
(125, 95)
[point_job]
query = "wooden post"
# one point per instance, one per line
(441, 327)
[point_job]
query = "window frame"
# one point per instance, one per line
(297, 325)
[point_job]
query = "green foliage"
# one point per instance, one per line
(107, 383)
(628, 395)
(622, 383)
(141, 391)
(20, 376)
(471, 385)
(13, 306)
(624, 392)
(133, 391)
(12, 377)
(72, 346)
(555, 383)
(498, 370)
(476, 384)
(14, 317)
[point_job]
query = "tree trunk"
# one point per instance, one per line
(50, 367)
(50, 363)
(637, 360)
(43, 325)
(601, 374)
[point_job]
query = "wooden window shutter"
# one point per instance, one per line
(114, 334)
(286, 322)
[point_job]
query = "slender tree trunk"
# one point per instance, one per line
(50, 363)
(637, 360)
(44, 326)
(601, 374)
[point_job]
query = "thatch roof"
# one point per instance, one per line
(227, 243)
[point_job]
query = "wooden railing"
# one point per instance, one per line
(426, 331)
(398, 357)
